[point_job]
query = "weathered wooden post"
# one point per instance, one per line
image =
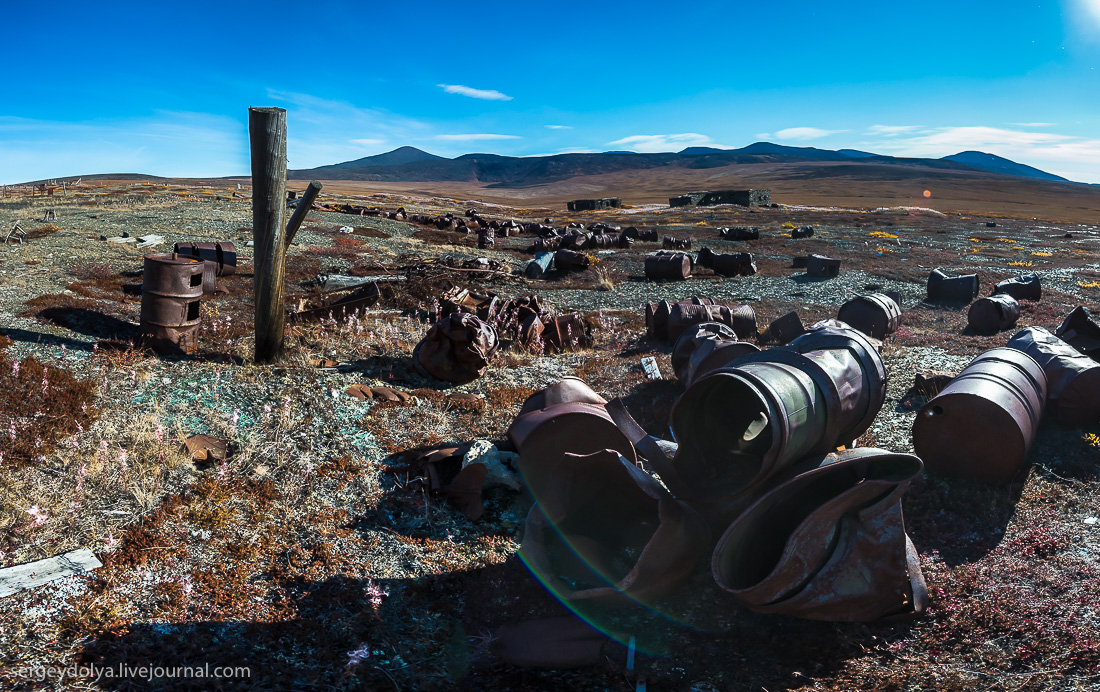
(267, 138)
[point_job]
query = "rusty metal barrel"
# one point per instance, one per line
(828, 542)
(802, 232)
(566, 417)
(692, 339)
(486, 238)
(675, 266)
(1024, 287)
(571, 260)
(1073, 379)
(952, 289)
(993, 314)
(656, 316)
(171, 288)
(982, 424)
(706, 347)
(673, 243)
(739, 233)
(740, 318)
(875, 314)
(765, 412)
(222, 253)
(734, 264)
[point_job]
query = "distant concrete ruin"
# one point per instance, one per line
(594, 204)
(745, 198)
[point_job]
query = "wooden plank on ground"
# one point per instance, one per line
(32, 574)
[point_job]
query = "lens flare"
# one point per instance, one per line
(927, 193)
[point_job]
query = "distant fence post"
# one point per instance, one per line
(267, 140)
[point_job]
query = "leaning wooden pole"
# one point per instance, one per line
(267, 138)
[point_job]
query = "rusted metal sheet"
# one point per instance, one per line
(765, 412)
(993, 314)
(952, 289)
(1073, 379)
(566, 417)
(457, 348)
(982, 424)
(822, 266)
(874, 314)
(1025, 287)
(1081, 332)
(605, 529)
(223, 254)
(461, 484)
(675, 266)
(364, 392)
(828, 543)
(171, 289)
(786, 328)
(358, 300)
(740, 318)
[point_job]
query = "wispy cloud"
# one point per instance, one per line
(1033, 124)
(1070, 156)
(484, 94)
(650, 144)
(473, 137)
(367, 142)
(168, 143)
(559, 127)
(802, 133)
(891, 130)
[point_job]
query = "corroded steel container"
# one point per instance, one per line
(827, 543)
(223, 254)
(822, 266)
(566, 417)
(603, 529)
(740, 318)
(672, 243)
(1080, 331)
(692, 339)
(993, 314)
(656, 316)
(875, 314)
(762, 413)
(458, 348)
(570, 260)
(675, 266)
(706, 347)
(735, 264)
(739, 233)
(171, 288)
(1025, 287)
(952, 289)
(982, 424)
(1073, 379)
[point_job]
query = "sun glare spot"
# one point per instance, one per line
(927, 193)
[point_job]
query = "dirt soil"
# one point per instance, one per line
(314, 555)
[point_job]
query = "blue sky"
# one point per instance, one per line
(164, 88)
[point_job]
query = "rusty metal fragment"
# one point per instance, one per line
(765, 412)
(931, 382)
(1025, 287)
(603, 528)
(952, 289)
(982, 424)
(675, 266)
(565, 333)
(875, 314)
(1081, 332)
(457, 348)
(460, 483)
(357, 301)
(993, 314)
(206, 447)
(566, 417)
(171, 289)
(1073, 379)
(364, 392)
(786, 328)
(828, 543)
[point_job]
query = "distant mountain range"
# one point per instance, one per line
(409, 164)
